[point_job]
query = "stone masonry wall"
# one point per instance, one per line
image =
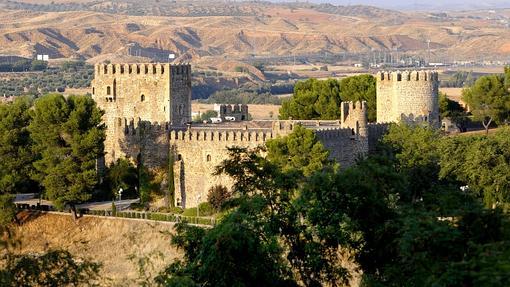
(408, 96)
(130, 93)
(198, 152)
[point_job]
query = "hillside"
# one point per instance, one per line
(99, 30)
(117, 244)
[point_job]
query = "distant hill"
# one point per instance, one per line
(97, 30)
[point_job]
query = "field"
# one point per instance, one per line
(117, 244)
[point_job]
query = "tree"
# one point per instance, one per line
(38, 65)
(207, 115)
(7, 209)
(481, 163)
(361, 88)
(313, 99)
(300, 150)
(54, 268)
(68, 135)
(453, 110)
(217, 196)
(489, 100)
(415, 149)
(16, 156)
(122, 174)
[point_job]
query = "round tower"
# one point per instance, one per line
(408, 96)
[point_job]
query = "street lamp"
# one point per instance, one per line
(120, 193)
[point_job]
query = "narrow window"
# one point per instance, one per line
(93, 90)
(208, 157)
(142, 98)
(179, 157)
(399, 77)
(108, 90)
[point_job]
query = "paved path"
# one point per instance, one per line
(30, 198)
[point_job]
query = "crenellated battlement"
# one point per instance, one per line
(142, 69)
(220, 135)
(131, 126)
(334, 133)
(407, 76)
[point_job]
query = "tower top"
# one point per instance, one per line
(402, 76)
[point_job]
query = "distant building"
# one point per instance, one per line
(235, 113)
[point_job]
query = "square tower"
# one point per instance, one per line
(153, 94)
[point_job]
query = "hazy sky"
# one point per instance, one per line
(431, 4)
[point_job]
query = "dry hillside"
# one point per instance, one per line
(117, 244)
(213, 31)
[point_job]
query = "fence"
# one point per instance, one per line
(156, 216)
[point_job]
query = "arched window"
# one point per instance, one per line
(108, 90)
(179, 157)
(142, 98)
(208, 157)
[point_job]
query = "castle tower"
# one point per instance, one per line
(133, 93)
(411, 97)
(354, 116)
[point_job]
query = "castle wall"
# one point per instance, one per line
(198, 152)
(133, 138)
(344, 147)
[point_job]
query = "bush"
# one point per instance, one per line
(217, 196)
(206, 209)
(172, 210)
(190, 212)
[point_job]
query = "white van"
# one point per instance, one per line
(216, 120)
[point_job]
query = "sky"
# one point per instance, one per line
(424, 4)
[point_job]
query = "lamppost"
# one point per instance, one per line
(120, 193)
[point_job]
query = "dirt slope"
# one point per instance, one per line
(109, 241)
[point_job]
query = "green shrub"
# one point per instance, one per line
(206, 209)
(192, 212)
(172, 210)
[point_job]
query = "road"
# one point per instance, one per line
(102, 205)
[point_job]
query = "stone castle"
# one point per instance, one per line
(148, 114)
